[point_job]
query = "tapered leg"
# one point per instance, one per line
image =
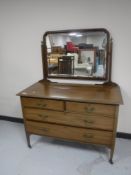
(111, 155)
(28, 139)
(111, 161)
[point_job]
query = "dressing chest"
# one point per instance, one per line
(85, 113)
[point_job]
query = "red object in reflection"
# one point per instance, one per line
(70, 47)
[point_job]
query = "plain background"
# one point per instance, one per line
(22, 25)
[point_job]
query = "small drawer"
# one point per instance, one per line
(90, 108)
(44, 115)
(70, 133)
(71, 119)
(43, 103)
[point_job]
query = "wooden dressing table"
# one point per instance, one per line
(82, 113)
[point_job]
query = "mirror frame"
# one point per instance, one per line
(107, 77)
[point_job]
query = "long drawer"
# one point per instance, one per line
(71, 133)
(72, 119)
(43, 103)
(90, 108)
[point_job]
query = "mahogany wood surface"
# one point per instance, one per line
(71, 133)
(103, 94)
(82, 113)
(102, 122)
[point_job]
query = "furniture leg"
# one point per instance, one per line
(28, 139)
(111, 155)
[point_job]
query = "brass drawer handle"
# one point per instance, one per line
(88, 136)
(89, 121)
(44, 105)
(45, 129)
(41, 105)
(43, 116)
(38, 104)
(89, 109)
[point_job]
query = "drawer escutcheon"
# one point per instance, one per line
(89, 109)
(43, 116)
(41, 105)
(45, 129)
(89, 121)
(88, 136)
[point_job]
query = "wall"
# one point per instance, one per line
(22, 24)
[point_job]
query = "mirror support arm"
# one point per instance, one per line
(110, 59)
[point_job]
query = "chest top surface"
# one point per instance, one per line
(70, 92)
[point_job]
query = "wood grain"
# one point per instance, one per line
(71, 133)
(72, 119)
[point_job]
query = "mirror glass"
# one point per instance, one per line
(77, 54)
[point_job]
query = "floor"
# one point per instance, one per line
(53, 157)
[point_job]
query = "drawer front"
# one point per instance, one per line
(72, 119)
(71, 133)
(90, 108)
(43, 103)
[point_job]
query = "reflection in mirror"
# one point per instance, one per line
(80, 54)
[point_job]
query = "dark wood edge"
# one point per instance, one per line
(20, 120)
(76, 30)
